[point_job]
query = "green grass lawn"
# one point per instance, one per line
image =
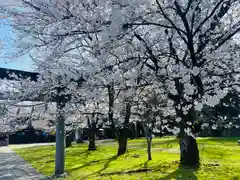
(220, 160)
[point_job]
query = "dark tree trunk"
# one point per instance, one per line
(92, 134)
(138, 129)
(132, 132)
(111, 94)
(92, 145)
(122, 142)
(149, 144)
(148, 135)
(122, 138)
(69, 139)
(189, 154)
(111, 101)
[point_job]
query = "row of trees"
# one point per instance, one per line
(185, 53)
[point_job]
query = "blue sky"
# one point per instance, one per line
(22, 63)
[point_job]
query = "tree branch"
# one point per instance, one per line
(179, 31)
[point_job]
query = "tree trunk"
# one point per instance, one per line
(122, 142)
(189, 154)
(111, 95)
(148, 135)
(68, 139)
(60, 146)
(122, 138)
(149, 144)
(92, 145)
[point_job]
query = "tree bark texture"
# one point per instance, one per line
(189, 154)
(122, 138)
(69, 139)
(122, 142)
(92, 145)
(92, 135)
(149, 144)
(111, 94)
(148, 135)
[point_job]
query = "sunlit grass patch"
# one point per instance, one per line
(220, 160)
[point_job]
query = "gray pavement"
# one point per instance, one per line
(13, 167)
(19, 146)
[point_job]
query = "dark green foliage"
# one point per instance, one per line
(223, 114)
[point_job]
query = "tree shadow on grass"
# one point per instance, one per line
(90, 163)
(106, 165)
(143, 165)
(182, 173)
(94, 162)
(127, 172)
(84, 153)
(142, 168)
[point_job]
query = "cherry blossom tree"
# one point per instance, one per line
(187, 49)
(152, 111)
(49, 53)
(93, 117)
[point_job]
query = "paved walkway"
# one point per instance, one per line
(19, 146)
(13, 167)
